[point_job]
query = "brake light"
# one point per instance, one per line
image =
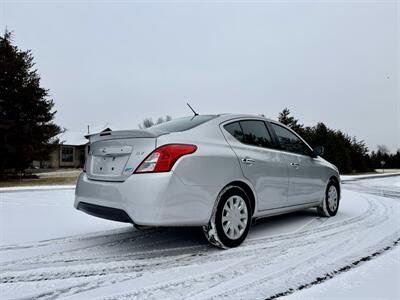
(163, 158)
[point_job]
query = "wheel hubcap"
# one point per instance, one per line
(332, 198)
(234, 217)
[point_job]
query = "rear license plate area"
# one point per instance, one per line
(108, 165)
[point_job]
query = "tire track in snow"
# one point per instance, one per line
(46, 259)
(231, 272)
(165, 253)
(259, 259)
(309, 265)
(332, 274)
(345, 234)
(252, 254)
(108, 236)
(256, 246)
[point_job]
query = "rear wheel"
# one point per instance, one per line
(230, 222)
(330, 205)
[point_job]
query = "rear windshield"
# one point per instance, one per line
(182, 124)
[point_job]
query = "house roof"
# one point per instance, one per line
(77, 138)
(98, 129)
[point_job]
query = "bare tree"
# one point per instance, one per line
(148, 122)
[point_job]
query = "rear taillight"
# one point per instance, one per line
(163, 158)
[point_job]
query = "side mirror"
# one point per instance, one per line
(318, 151)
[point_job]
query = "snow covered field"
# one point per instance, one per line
(49, 250)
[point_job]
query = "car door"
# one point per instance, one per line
(305, 181)
(260, 162)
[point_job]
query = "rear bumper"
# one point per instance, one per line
(104, 212)
(160, 199)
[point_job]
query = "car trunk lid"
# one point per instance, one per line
(114, 155)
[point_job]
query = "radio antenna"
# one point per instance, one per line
(195, 113)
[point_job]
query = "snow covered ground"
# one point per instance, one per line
(376, 279)
(50, 250)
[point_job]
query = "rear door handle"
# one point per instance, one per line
(295, 165)
(248, 161)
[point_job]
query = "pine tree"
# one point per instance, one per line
(346, 152)
(285, 118)
(26, 115)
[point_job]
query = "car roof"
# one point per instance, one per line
(231, 116)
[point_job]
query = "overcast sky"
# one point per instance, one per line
(117, 63)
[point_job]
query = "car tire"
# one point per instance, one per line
(231, 218)
(330, 204)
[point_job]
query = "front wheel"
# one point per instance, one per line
(330, 205)
(231, 219)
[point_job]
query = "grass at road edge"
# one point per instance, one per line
(40, 181)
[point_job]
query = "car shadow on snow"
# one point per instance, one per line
(187, 240)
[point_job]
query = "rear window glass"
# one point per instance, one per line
(182, 124)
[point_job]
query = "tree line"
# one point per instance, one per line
(348, 153)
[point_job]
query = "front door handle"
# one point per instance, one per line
(248, 161)
(295, 165)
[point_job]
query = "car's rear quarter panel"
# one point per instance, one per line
(213, 164)
(210, 168)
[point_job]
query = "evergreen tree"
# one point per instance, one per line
(345, 152)
(392, 161)
(26, 116)
(285, 118)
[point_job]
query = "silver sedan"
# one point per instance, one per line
(215, 171)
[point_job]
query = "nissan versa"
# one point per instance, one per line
(215, 171)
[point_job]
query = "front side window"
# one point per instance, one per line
(67, 154)
(251, 132)
(289, 141)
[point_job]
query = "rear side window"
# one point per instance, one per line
(235, 130)
(250, 132)
(182, 124)
(289, 141)
(256, 133)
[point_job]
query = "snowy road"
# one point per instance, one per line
(49, 250)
